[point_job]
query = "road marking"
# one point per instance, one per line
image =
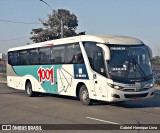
(156, 108)
(103, 120)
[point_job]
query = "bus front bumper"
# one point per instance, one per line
(117, 95)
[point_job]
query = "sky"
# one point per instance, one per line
(135, 18)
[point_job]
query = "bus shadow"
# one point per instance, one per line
(145, 103)
(11, 92)
(58, 96)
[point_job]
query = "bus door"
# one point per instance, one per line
(99, 76)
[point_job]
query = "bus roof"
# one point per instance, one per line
(100, 39)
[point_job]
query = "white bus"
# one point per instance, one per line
(106, 68)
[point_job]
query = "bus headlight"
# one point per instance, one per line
(151, 85)
(115, 86)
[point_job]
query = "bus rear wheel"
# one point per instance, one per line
(29, 91)
(84, 95)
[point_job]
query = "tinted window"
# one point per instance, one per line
(44, 55)
(22, 58)
(13, 58)
(129, 63)
(70, 54)
(95, 57)
(73, 54)
(33, 56)
(118, 56)
(58, 54)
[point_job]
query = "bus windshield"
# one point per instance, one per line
(129, 63)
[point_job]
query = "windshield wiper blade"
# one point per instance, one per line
(140, 69)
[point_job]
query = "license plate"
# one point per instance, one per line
(138, 84)
(136, 99)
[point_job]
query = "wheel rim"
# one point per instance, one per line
(84, 95)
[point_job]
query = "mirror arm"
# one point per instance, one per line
(149, 51)
(106, 51)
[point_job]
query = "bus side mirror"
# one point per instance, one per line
(106, 51)
(149, 51)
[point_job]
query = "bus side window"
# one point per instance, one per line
(44, 55)
(73, 54)
(10, 58)
(98, 62)
(69, 54)
(95, 57)
(33, 56)
(77, 59)
(15, 58)
(22, 58)
(57, 54)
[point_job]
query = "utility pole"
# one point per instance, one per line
(61, 21)
(61, 28)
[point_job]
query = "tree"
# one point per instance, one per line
(52, 26)
(156, 64)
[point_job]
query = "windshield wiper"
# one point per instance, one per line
(141, 71)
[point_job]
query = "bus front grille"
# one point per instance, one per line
(135, 90)
(135, 95)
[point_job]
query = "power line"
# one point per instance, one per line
(13, 39)
(18, 22)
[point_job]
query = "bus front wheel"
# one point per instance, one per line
(84, 95)
(29, 91)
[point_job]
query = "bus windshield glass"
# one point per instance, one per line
(129, 63)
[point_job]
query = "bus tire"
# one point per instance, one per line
(84, 95)
(28, 89)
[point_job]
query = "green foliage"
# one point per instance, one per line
(52, 27)
(156, 64)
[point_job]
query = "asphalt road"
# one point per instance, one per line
(17, 108)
